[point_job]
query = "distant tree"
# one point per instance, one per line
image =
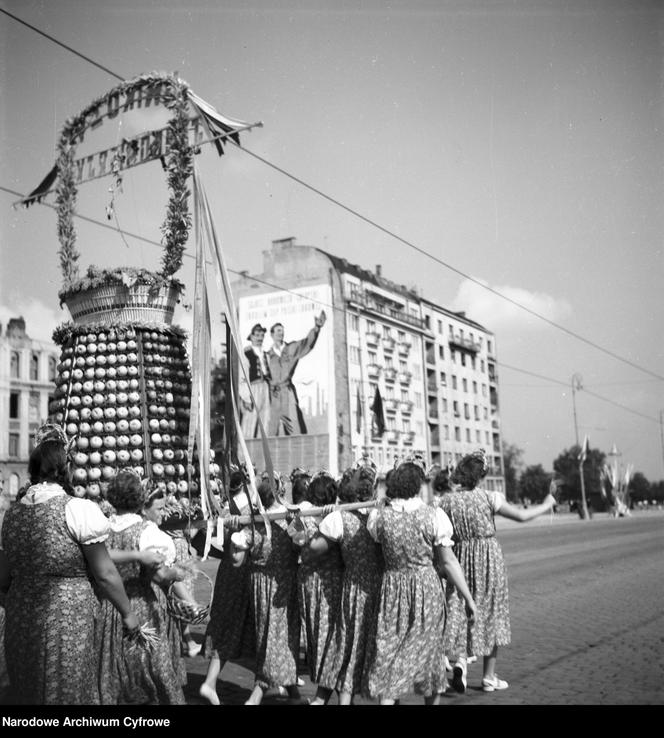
(657, 491)
(639, 488)
(566, 466)
(534, 484)
(512, 465)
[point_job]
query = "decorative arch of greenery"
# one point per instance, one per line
(178, 162)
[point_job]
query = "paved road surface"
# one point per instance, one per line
(587, 612)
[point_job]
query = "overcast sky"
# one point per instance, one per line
(519, 144)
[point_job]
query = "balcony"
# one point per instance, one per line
(406, 407)
(390, 405)
(392, 436)
(373, 370)
(388, 344)
(404, 348)
(390, 373)
(432, 387)
(372, 338)
(375, 305)
(405, 377)
(464, 344)
(407, 437)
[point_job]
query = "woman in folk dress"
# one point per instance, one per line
(318, 577)
(472, 511)
(130, 674)
(408, 653)
(274, 607)
(343, 664)
(53, 557)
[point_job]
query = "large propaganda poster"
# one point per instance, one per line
(289, 362)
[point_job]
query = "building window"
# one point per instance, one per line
(472, 362)
(446, 432)
(478, 436)
(466, 411)
(34, 367)
(489, 348)
(427, 321)
(443, 379)
(467, 435)
(482, 365)
(454, 381)
(354, 355)
(52, 368)
(453, 356)
(487, 437)
(13, 444)
(451, 330)
(418, 399)
(475, 388)
(386, 331)
(440, 326)
(457, 433)
(464, 384)
(14, 399)
(401, 336)
(389, 392)
(354, 323)
(477, 412)
(371, 326)
(33, 411)
(484, 390)
(486, 413)
(388, 361)
(444, 404)
(441, 352)
(372, 357)
(455, 408)
(15, 366)
(391, 423)
(406, 425)
(403, 366)
(404, 395)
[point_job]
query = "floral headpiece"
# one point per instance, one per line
(481, 455)
(367, 465)
(298, 472)
(322, 473)
(51, 432)
(415, 458)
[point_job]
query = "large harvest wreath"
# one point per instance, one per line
(178, 163)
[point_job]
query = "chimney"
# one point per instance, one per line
(379, 270)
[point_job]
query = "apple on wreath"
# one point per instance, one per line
(124, 456)
(80, 475)
(98, 427)
(98, 398)
(122, 398)
(136, 440)
(80, 459)
(157, 454)
(96, 413)
(156, 438)
(96, 442)
(111, 372)
(111, 398)
(100, 372)
(123, 425)
(134, 411)
(58, 417)
(109, 426)
(93, 491)
(94, 474)
(136, 455)
(91, 361)
(72, 428)
(122, 412)
(79, 490)
(158, 470)
(74, 414)
(95, 458)
(82, 443)
(123, 440)
(109, 442)
(132, 371)
(122, 346)
(84, 427)
(89, 373)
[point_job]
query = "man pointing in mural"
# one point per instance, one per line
(286, 417)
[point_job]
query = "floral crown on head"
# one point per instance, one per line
(367, 465)
(299, 472)
(51, 432)
(414, 458)
(481, 455)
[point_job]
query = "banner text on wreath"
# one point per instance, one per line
(132, 152)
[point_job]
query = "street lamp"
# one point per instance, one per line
(577, 385)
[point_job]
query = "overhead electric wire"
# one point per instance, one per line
(390, 233)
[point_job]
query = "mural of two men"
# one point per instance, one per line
(270, 375)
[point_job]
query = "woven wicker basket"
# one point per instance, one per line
(183, 611)
(116, 303)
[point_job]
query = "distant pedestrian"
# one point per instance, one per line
(472, 511)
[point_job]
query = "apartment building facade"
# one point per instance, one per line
(28, 370)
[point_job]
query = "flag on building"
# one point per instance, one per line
(378, 417)
(584, 450)
(358, 410)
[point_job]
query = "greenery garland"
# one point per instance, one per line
(64, 332)
(179, 165)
